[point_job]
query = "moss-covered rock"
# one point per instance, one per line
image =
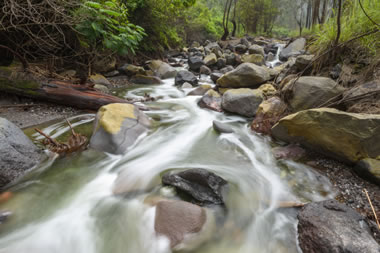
(346, 136)
(257, 59)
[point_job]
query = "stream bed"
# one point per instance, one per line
(68, 204)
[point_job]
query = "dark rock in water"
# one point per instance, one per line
(17, 153)
(204, 186)
(330, 226)
(241, 49)
(211, 100)
(176, 219)
(221, 127)
(4, 216)
(185, 76)
(215, 76)
(195, 63)
(271, 48)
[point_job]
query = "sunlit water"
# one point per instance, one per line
(67, 205)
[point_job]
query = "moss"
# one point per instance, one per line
(212, 93)
(111, 116)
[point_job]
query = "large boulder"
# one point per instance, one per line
(310, 92)
(117, 127)
(241, 49)
(293, 49)
(17, 153)
(195, 63)
(257, 59)
(211, 100)
(347, 136)
(243, 101)
(330, 226)
(131, 70)
(256, 49)
(369, 169)
(245, 75)
(162, 69)
(178, 220)
(200, 90)
(202, 185)
(215, 76)
(185, 76)
(141, 79)
(210, 59)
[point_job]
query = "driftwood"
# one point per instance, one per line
(60, 92)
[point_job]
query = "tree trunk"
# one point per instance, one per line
(324, 12)
(315, 18)
(233, 21)
(225, 18)
(338, 22)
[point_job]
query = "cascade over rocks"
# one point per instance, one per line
(18, 154)
(184, 76)
(204, 186)
(330, 226)
(246, 75)
(243, 101)
(347, 136)
(293, 49)
(117, 127)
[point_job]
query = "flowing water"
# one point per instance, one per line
(67, 205)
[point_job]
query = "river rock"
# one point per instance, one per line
(221, 127)
(101, 87)
(205, 70)
(346, 136)
(292, 151)
(369, 169)
(131, 70)
(141, 79)
(200, 91)
(330, 226)
(243, 101)
(360, 90)
(221, 63)
(204, 186)
(245, 75)
(269, 113)
(184, 76)
(293, 49)
(215, 76)
(231, 59)
(211, 100)
(257, 59)
(303, 61)
(241, 49)
(213, 45)
(162, 69)
(195, 63)
(178, 219)
(256, 49)
(270, 57)
(117, 127)
(186, 86)
(18, 154)
(105, 64)
(210, 59)
(226, 69)
(99, 79)
(268, 89)
(310, 92)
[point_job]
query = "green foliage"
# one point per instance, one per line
(353, 23)
(105, 24)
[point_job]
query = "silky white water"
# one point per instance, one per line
(68, 206)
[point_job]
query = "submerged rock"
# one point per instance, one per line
(185, 76)
(221, 127)
(117, 127)
(211, 100)
(346, 136)
(242, 101)
(330, 226)
(18, 154)
(204, 186)
(245, 75)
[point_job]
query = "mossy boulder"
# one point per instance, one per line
(210, 59)
(347, 136)
(257, 59)
(243, 101)
(117, 127)
(268, 89)
(246, 75)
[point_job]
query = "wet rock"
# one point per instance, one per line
(269, 113)
(241, 49)
(195, 63)
(18, 154)
(131, 70)
(4, 215)
(256, 49)
(245, 75)
(369, 169)
(178, 219)
(204, 186)
(215, 76)
(117, 127)
(162, 69)
(270, 57)
(221, 127)
(221, 63)
(310, 92)
(211, 100)
(346, 136)
(227, 69)
(292, 151)
(257, 59)
(268, 89)
(205, 70)
(329, 226)
(186, 86)
(243, 101)
(210, 59)
(99, 79)
(200, 91)
(141, 79)
(271, 48)
(293, 49)
(184, 76)
(101, 87)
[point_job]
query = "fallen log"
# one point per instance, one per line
(20, 83)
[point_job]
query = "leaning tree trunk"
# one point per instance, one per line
(233, 21)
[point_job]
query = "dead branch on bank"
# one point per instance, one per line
(373, 209)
